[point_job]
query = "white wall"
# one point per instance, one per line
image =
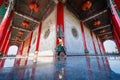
(74, 46)
(47, 46)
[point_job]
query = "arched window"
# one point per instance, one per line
(110, 46)
(12, 50)
(9, 62)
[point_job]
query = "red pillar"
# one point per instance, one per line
(38, 38)
(1, 2)
(100, 51)
(30, 42)
(99, 46)
(31, 34)
(116, 36)
(6, 46)
(5, 39)
(21, 48)
(103, 48)
(83, 38)
(118, 47)
(114, 17)
(2, 63)
(5, 24)
(93, 42)
(18, 49)
(60, 20)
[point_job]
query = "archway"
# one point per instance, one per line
(9, 62)
(110, 46)
(12, 50)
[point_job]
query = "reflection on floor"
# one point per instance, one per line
(70, 68)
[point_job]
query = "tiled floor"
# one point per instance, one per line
(70, 68)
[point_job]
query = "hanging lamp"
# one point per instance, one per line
(34, 6)
(86, 5)
(25, 23)
(20, 32)
(97, 22)
(102, 31)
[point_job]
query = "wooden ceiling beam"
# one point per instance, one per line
(24, 16)
(104, 33)
(108, 37)
(104, 11)
(25, 30)
(15, 39)
(56, 1)
(101, 27)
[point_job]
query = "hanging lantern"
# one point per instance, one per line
(31, 5)
(20, 32)
(25, 23)
(36, 8)
(17, 38)
(97, 22)
(86, 5)
(102, 31)
(105, 37)
(16, 41)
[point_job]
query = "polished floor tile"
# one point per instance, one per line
(69, 68)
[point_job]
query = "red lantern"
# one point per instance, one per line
(97, 23)
(31, 5)
(21, 32)
(25, 23)
(36, 8)
(102, 31)
(17, 38)
(105, 37)
(86, 5)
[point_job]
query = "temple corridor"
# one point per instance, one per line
(60, 39)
